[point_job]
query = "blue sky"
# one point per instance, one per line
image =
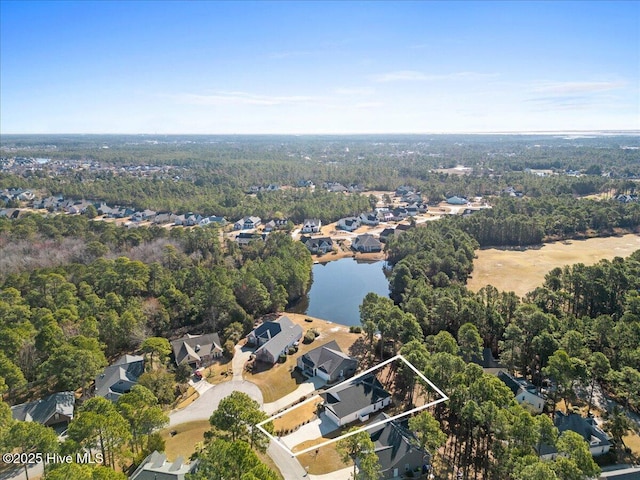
(318, 67)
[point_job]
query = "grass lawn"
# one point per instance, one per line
(523, 271)
(326, 460)
(219, 371)
(184, 442)
(296, 416)
(633, 442)
(279, 380)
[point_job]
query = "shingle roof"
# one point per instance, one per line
(587, 428)
(156, 467)
(192, 347)
(355, 395)
(328, 358)
(41, 411)
(393, 442)
(288, 333)
(127, 368)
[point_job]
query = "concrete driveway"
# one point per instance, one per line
(304, 389)
(204, 406)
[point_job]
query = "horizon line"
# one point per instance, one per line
(472, 132)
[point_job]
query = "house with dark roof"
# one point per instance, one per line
(366, 243)
(525, 392)
(318, 245)
(370, 219)
(587, 428)
(120, 377)
(355, 400)
(247, 223)
(245, 238)
(197, 350)
(311, 225)
(156, 467)
(328, 362)
(386, 234)
(397, 450)
(348, 223)
(273, 338)
(53, 411)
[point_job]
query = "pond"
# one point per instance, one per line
(338, 289)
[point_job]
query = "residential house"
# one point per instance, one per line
(156, 467)
(403, 190)
(276, 224)
(397, 450)
(219, 220)
(455, 200)
(369, 219)
(270, 226)
(412, 197)
(327, 362)
(334, 187)
(247, 223)
(319, 245)
(525, 392)
(120, 377)
(366, 243)
(349, 223)
(355, 400)
(273, 338)
(386, 234)
(305, 184)
(245, 238)
(384, 214)
(164, 217)
(192, 219)
(403, 227)
(53, 411)
(587, 428)
(197, 350)
(311, 225)
(399, 213)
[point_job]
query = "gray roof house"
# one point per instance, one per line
(397, 450)
(156, 467)
(311, 225)
(348, 223)
(355, 400)
(455, 200)
(247, 223)
(120, 377)
(197, 350)
(317, 245)
(366, 243)
(525, 392)
(273, 338)
(327, 362)
(54, 410)
(595, 437)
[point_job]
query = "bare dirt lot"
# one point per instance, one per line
(523, 271)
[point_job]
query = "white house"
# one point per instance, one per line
(587, 428)
(526, 393)
(311, 225)
(348, 223)
(355, 400)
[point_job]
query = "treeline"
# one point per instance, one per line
(581, 330)
(58, 323)
(531, 221)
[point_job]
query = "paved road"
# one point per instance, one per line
(203, 407)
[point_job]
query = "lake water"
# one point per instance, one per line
(338, 289)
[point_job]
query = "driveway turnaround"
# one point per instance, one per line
(204, 406)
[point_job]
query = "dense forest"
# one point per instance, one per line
(76, 293)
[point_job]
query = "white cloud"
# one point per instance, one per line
(417, 76)
(572, 88)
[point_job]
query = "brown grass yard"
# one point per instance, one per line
(327, 460)
(297, 415)
(523, 271)
(215, 373)
(279, 380)
(184, 442)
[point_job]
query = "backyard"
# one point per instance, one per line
(281, 379)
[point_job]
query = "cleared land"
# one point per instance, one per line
(522, 271)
